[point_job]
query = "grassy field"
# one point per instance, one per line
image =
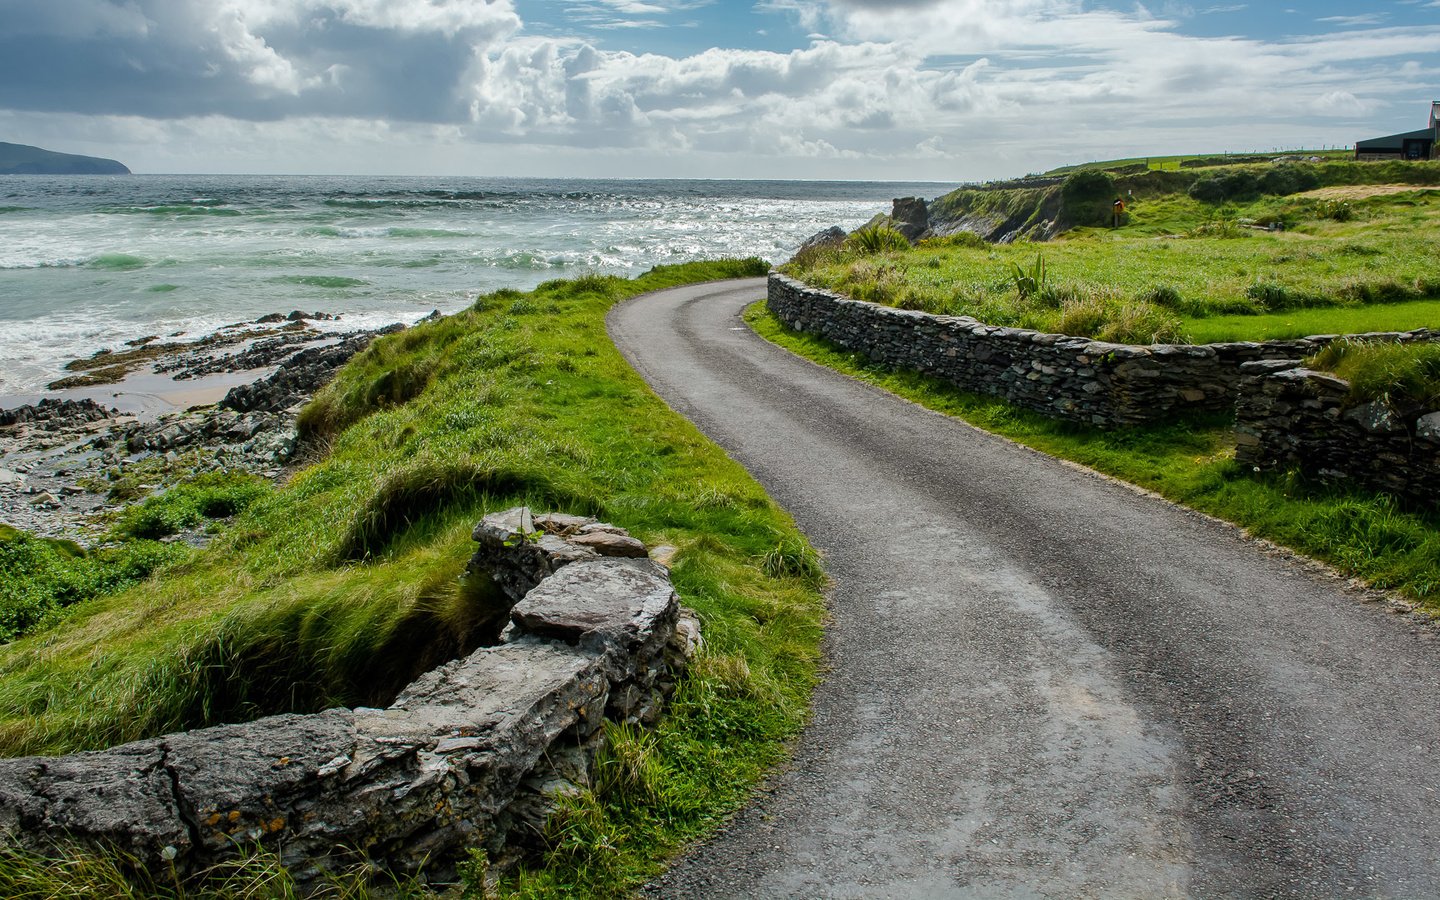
(343, 584)
(1175, 163)
(1183, 269)
(1364, 534)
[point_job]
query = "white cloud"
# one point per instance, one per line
(966, 88)
(1342, 103)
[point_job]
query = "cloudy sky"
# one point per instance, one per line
(948, 90)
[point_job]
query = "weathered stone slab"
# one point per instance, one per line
(608, 543)
(612, 606)
(1427, 427)
(125, 794)
(243, 783)
(1376, 418)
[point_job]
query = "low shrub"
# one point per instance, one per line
(968, 239)
(40, 578)
(1239, 184)
(877, 239)
(1289, 178)
(1334, 209)
(213, 495)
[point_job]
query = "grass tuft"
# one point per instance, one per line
(877, 239)
(1405, 376)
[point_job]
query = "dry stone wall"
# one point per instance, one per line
(472, 754)
(1289, 417)
(1073, 378)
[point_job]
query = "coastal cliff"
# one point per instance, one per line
(22, 159)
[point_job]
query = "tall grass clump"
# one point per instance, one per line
(877, 239)
(1110, 318)
(1404, 376)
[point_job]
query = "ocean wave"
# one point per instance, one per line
(325, 281)
(170, 210)
(426, 233)
(382, 203)
(522, 261)
(14, 209)
(118, 261)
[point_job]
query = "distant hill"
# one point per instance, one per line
(20, 159)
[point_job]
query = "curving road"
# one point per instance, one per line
(1045, 684)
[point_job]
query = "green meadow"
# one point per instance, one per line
(1209, 256)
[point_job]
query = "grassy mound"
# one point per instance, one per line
(1227, 253)
(342, 585)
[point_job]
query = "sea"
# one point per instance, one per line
(90, 262)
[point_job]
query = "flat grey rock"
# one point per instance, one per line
(608, 543)
(613, 605)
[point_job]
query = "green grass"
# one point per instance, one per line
(211, 495)
(1176, 265)
(80, 875)
(294, 606)
(1173, 163)
(40, 580)
(1405, 376)
(1305, 322)
(1368, 535)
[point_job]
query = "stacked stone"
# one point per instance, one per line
(1073, 378)
(473, 754)
(1293, 418)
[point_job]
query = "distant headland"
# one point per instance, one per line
(20, 159)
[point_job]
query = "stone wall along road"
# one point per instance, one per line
(473, 754)
(1043, 683)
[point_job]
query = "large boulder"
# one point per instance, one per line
(833, 236)
(911, 217)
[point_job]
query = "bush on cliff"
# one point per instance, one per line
(1087, 196)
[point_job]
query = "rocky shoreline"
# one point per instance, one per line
(69, 463)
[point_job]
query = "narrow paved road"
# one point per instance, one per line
(1045, 684)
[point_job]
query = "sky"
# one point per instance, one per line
(943, 90)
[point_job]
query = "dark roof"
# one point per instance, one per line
(1395, 141)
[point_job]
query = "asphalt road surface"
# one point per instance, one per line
(1043, 683)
